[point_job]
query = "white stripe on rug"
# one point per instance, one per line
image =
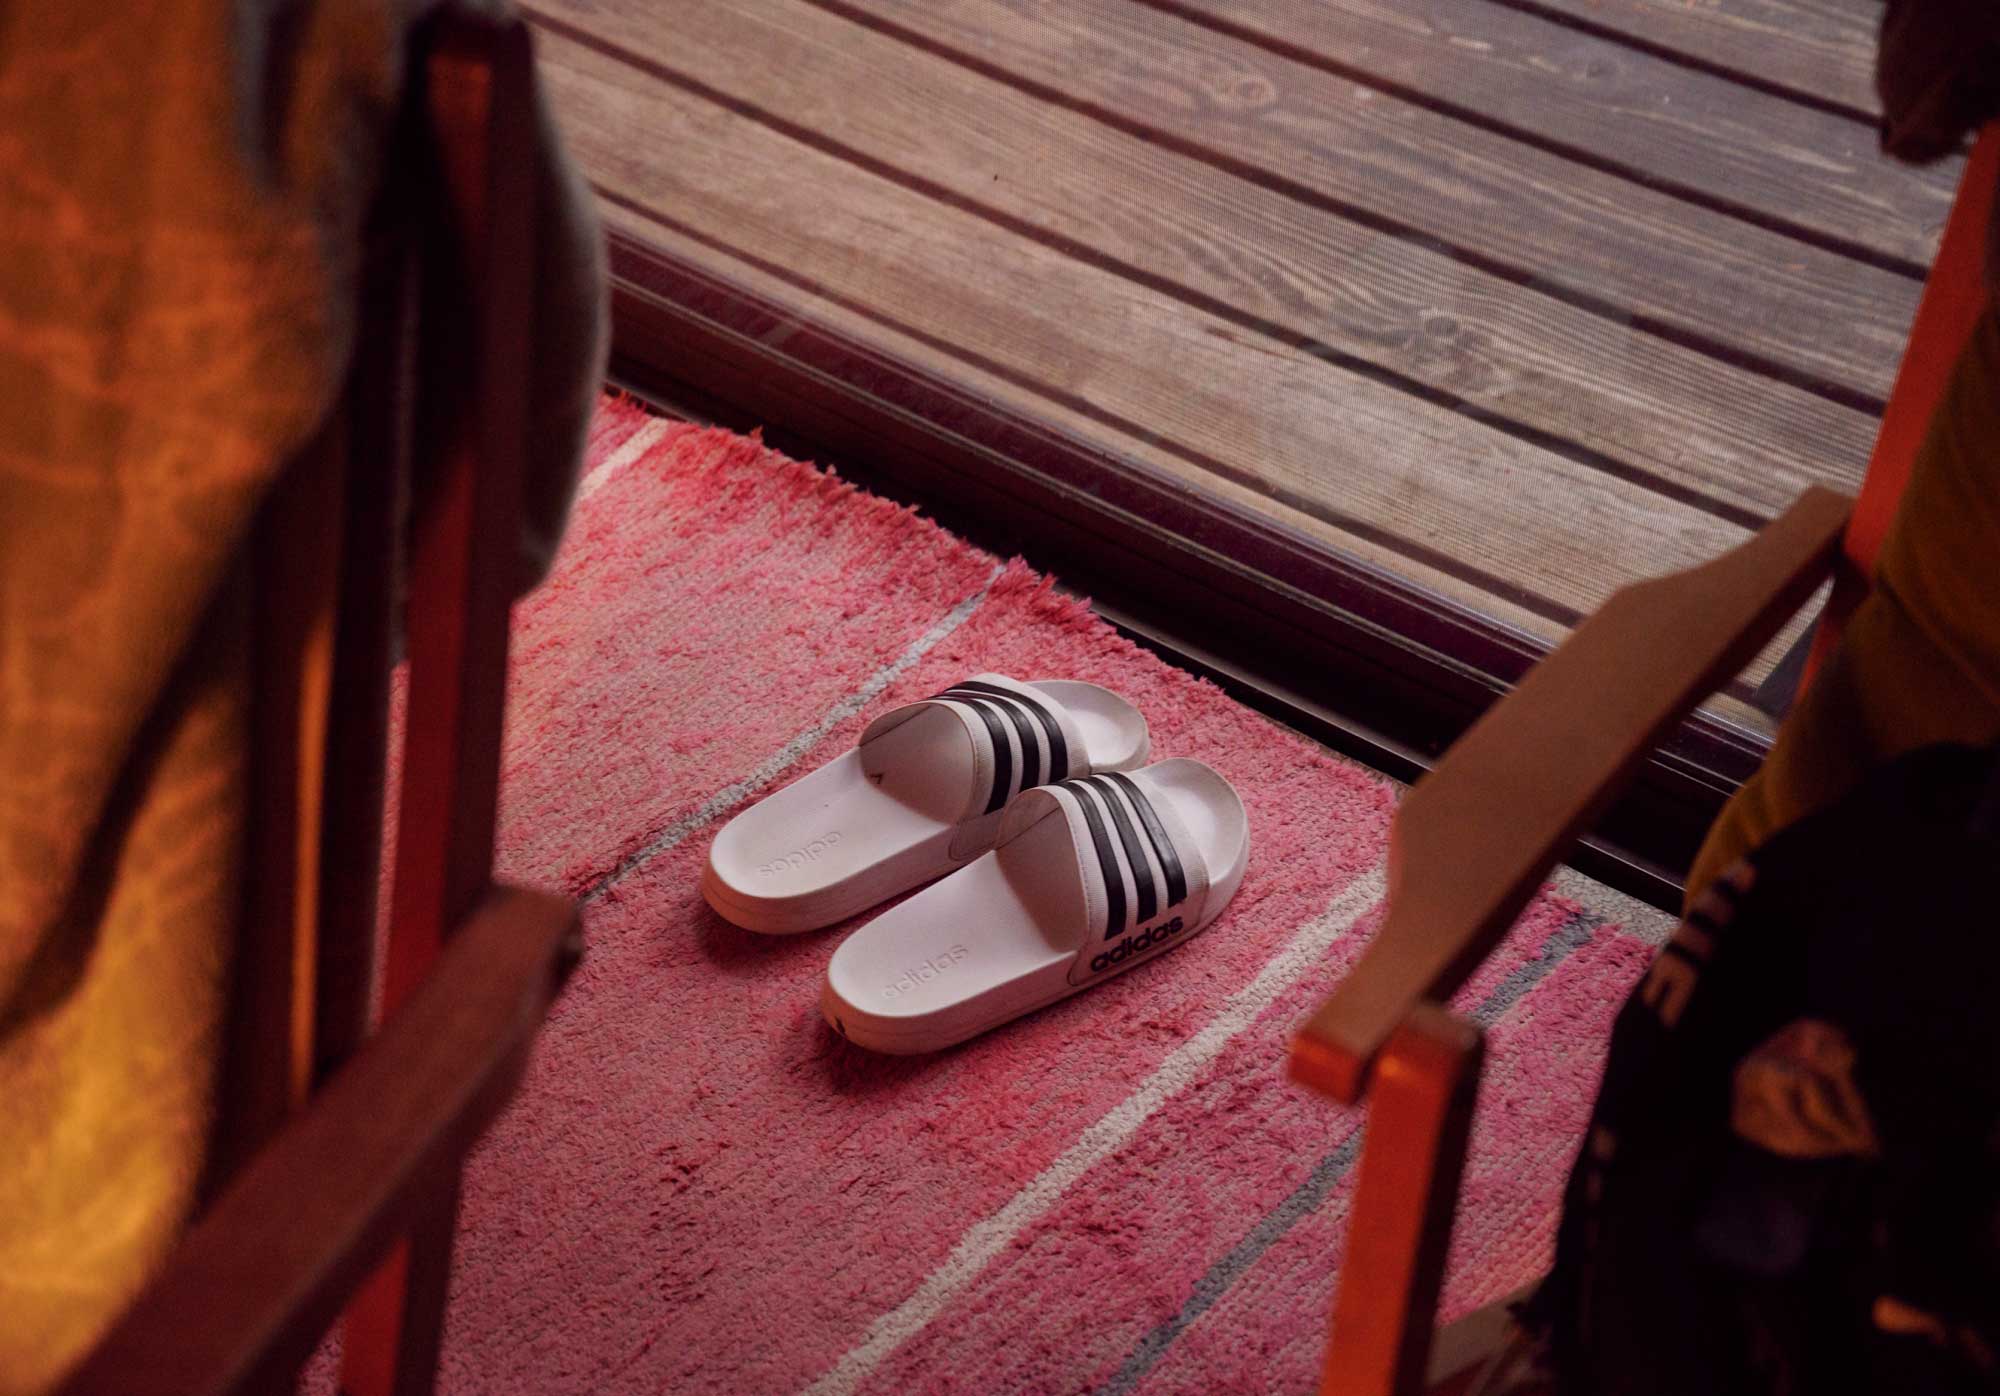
(778, 761)
(633, 447)
(986, 1239)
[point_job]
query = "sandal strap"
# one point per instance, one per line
(1142, 874)
(1021, 738)
(1046, 750)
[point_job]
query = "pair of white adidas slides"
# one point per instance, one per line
(1055, 860)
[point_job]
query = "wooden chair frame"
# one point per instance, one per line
(1475, 838)
(355, 1193)
(351, 1189)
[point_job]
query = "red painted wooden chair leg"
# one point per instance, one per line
(1419, 1119)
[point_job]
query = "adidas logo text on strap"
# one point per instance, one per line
(1137, 945)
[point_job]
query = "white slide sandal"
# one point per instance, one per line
(1089, 878)
(922, 793)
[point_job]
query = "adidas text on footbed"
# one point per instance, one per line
(1089, 878)
(921, 794)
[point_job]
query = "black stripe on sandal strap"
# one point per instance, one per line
(1170, 861)
(1107, 860)
(1058, 748)
(1032, 756)
(1003, 752)
(1135, 851)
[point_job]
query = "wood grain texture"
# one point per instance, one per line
(247, 1295)
(1475, 838)
(1641, 257)
(1667, 417)
(1708, 139)
(1105, 509)
(1529, 525)
(1820, 49)
(878, 345)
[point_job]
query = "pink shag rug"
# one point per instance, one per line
(702, 1189)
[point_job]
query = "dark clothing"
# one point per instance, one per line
(1791, 1182)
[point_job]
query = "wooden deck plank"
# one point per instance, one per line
(1655, 411)
(1818, 50)
(886, 344)
(1277, 421)
(901, 346)
(1799, 311)
(1672, 127)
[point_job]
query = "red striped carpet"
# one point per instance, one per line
(701, 1189)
